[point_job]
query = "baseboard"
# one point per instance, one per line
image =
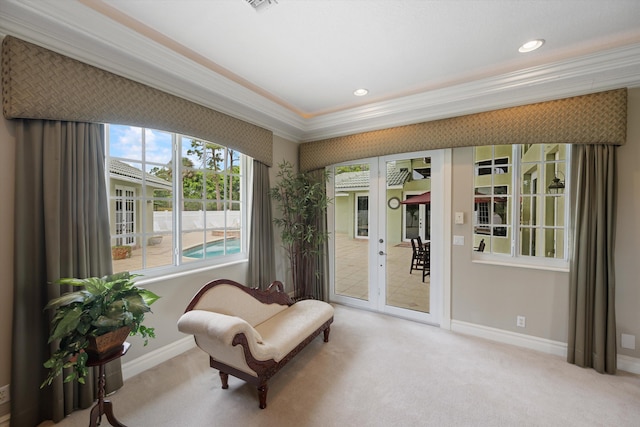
(625, 363)
(628, 364)
(142, 363)
(156, 357)
(507, 337)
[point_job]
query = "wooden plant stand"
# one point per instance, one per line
(104, 407)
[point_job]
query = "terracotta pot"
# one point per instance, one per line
(106, 344)
(120, 252)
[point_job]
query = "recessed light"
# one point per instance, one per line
(360, 92)
(531, 46)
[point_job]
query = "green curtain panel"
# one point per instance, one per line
(61, 230)
(262, 270)
(592, 319)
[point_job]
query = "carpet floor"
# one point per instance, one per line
(379, 370)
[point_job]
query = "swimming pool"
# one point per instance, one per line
(213, 249)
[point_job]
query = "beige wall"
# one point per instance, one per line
(282, 150)
(175, 293)
(483, 294)
(493, 296)
(627, 252)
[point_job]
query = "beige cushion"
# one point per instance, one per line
(284, 331)
(273, 339)
(214, 334)
(216, 325)
(228, 299)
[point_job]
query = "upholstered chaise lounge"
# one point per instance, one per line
(249, 333)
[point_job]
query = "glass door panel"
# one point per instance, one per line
(407, 234)
(351, 230)
(371, 257)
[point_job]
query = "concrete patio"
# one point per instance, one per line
(404, 290)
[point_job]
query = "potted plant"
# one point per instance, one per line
(84, 319)
(302, 202)
(120, 252)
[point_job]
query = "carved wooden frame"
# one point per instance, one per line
(273, 294)
(264, 368)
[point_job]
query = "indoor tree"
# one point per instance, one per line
(302, 202)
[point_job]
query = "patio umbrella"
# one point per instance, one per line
(420, 199)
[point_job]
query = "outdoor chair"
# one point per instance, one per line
(420, 258)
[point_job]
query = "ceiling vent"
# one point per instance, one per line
(261, 5)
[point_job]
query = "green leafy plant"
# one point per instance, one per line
(104, 304)
(302, 201)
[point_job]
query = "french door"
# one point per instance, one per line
(125, 215)
(379, 204)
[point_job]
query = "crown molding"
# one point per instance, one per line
(611, 69)
(128, 54)
(77, 33)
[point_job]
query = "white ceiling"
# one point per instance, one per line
(293, 67)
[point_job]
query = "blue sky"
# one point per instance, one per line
(125, 142)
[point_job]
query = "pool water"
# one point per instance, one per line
(213, 249)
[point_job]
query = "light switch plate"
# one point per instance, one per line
(458, 240)
(459, 218)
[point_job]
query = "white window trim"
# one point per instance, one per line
(523, 261)
(178, 267)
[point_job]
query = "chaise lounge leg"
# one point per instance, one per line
(326, 334)
(262, 395)
(224, 377)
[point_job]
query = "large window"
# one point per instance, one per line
(174, 200)
(520, 203)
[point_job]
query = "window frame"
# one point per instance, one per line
(144, 200)
(514, 258)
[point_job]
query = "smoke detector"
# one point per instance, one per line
(260, 5)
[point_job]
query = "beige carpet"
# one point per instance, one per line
(383, 371)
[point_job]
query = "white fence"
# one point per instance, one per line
(197, 220)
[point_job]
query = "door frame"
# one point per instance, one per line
(421, 228)
(437, 235)
(440, 310)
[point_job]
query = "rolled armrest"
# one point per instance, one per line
(214, 333)
(217, 326)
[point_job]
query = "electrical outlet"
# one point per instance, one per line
(4, 394)
(628, 341)
(521, 321)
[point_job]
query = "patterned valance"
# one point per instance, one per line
(41, 84)
(599, 118)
